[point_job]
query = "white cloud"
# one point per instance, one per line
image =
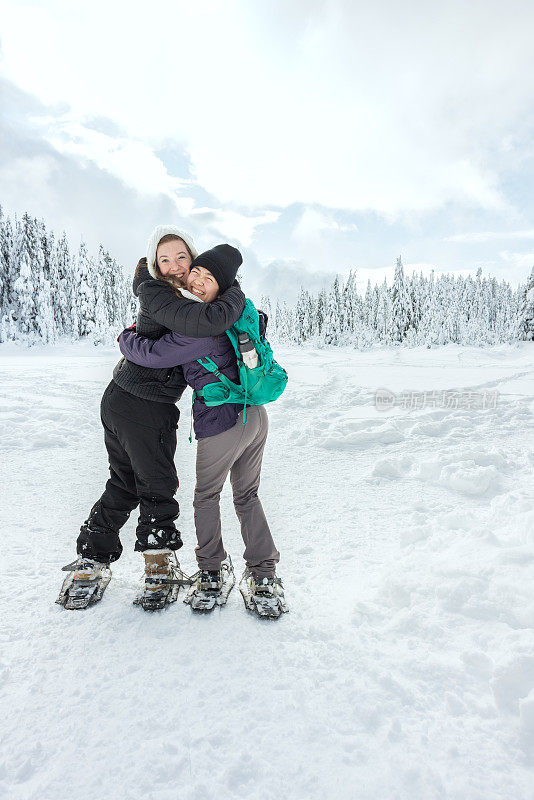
(281, 279)
(314, 222)
(520, 261)
(14, 173)
(130, 160)
(234, 225)
(134, 163)
(286, 122)
(351, 105)
(489, 236)
(316, 237)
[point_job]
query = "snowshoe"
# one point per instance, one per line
(85, 584)
(211, 587)
(264, 596)
(162, 580)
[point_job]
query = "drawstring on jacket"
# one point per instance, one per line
(191, 426)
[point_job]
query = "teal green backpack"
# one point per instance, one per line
(257, 386)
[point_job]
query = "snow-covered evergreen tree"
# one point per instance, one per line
(351, 305)
(384, 321)
(526, 314)
(302, 332)
(332, 317)
(85, 297)
(320, 313)
(401, 312)
(265, 306)
(45, 323)
(65, 289)
(5, 255)
(368, 317)
(26, 268)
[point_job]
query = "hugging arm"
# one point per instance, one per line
(170, 350)
(189, 317)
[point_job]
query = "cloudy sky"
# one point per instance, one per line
(317, 135)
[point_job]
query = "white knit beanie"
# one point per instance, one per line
(155, 237)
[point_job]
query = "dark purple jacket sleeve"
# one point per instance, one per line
(169, 351)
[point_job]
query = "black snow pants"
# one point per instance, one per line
(140, 437)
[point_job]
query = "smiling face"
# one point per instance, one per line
(202, 283)
(173, 260)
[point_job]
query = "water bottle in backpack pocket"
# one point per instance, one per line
(247, 350)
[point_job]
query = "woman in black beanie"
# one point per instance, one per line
(222, 262)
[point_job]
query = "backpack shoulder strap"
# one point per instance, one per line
(211, 366)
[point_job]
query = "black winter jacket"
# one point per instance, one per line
(161, 310)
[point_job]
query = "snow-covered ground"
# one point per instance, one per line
(405, 668)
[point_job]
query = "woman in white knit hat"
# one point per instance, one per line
(170, 252)
(140, 417)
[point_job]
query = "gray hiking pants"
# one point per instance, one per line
(238, 451)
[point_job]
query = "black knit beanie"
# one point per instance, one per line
(222, 261)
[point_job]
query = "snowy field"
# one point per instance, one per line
(405, 668)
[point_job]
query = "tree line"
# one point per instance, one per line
(414, 310)
(48, 293)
